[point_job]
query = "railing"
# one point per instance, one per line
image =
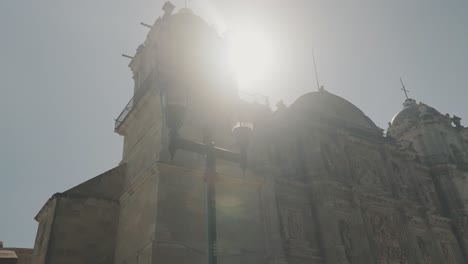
(150, 82)
(145, 87)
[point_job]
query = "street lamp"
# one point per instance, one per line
(242, 133)
(175, 108)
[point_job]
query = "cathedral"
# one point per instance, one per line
(315, 182)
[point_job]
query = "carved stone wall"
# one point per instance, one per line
(298, 227)
(386, 237)
(367, 167)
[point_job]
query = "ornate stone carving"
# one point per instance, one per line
(447, 253)
(295, 235)
(346, 239)
(293, 224)
(386, 239)
(423, 248)
(401, 183)
(365, 172)
(365, 167)
(428, 195)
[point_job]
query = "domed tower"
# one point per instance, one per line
(441, 143)
(437, 138)
(183, 89)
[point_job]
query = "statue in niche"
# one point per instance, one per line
(346, 239)
(294, 225)
(386, 240)
(427, 193)
(447, 253)
(423, 249)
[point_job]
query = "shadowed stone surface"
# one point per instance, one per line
(324, 184)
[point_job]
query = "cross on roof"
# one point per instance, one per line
(404, 89)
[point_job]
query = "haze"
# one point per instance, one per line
(63, 80)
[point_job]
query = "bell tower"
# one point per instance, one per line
(183, 88)
(182, 59)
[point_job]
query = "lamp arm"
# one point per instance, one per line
(201, 148)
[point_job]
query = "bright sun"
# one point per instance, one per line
(250, 55)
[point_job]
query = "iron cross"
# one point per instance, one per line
(404, 88)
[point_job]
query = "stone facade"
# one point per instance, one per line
(324, 184)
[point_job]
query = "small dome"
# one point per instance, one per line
(413, 112)
(327, 105)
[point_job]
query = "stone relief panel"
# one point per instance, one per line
(293, 224)
(425, 249)
(386, 238)
(401, 181)
(427, 194)
(367, 166)
(448, 252)
(333, 160)
(346, 239)
(296, 225)
(445, 239)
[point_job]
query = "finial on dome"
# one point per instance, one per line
(409, 102)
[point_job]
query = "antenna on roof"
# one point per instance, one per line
(403, 88)
(316, 74)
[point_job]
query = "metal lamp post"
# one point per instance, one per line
(175, 109)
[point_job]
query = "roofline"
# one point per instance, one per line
(45, 206)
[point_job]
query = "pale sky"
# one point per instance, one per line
(63, 80)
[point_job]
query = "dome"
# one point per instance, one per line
(413, 112)
(327, 105)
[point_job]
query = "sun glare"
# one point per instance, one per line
(250, 56)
